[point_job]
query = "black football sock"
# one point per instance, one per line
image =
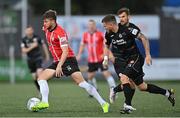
(127, 93)
(132, 94)
(37, 85)
(118, 88)
(155, 89)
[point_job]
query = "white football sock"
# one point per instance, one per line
(167, 93)
(111, 82)
(92, 91)
(44, 90)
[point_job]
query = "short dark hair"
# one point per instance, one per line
(124, 9)
(29, 26)
(50, 14)
(109, 18)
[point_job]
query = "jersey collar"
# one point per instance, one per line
(92, 32)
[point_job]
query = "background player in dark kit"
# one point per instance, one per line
(124, 48)
(31, 46)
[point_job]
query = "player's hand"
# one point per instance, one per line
(112, 59)
(59, 71)
(105, 62)
(148, 60)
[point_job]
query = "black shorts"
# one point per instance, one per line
(70, 66)
(131, 67)
(92, 67)
(33, 65)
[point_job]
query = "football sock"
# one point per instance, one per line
(111, 82)
(44, 90)
(92, 91)
(131, 94)
(155, 89)
(37, 85)
(167, 93)
(127, 93)
(118, 88)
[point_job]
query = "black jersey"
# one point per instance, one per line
(35, 53)
(123, 41)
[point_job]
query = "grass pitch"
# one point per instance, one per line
(67, 99)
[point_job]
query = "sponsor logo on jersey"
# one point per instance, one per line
(120, 35)
(119, 42)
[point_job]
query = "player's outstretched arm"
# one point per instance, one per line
(145, 42)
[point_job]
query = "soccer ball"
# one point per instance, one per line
(32, 102)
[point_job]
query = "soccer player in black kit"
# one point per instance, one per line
(128, 61)
(31, 46)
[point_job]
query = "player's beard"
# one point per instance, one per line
(125, 23)
(52, 26)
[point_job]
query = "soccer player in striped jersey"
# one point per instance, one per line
(64, 63)
(94, 40)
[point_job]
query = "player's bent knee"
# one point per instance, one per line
(46, 74)
(77, 77)
(132, 84)
(39, 71)
(142, 87)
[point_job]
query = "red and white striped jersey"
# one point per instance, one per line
(95, 45)
(56, 39)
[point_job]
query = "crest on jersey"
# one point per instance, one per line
(69, 68)
(131, 63)
(120, 35)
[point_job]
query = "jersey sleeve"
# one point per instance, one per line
(134, 31)
(62, 36)
(107, 39)
(84, 39)
(38, 39)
